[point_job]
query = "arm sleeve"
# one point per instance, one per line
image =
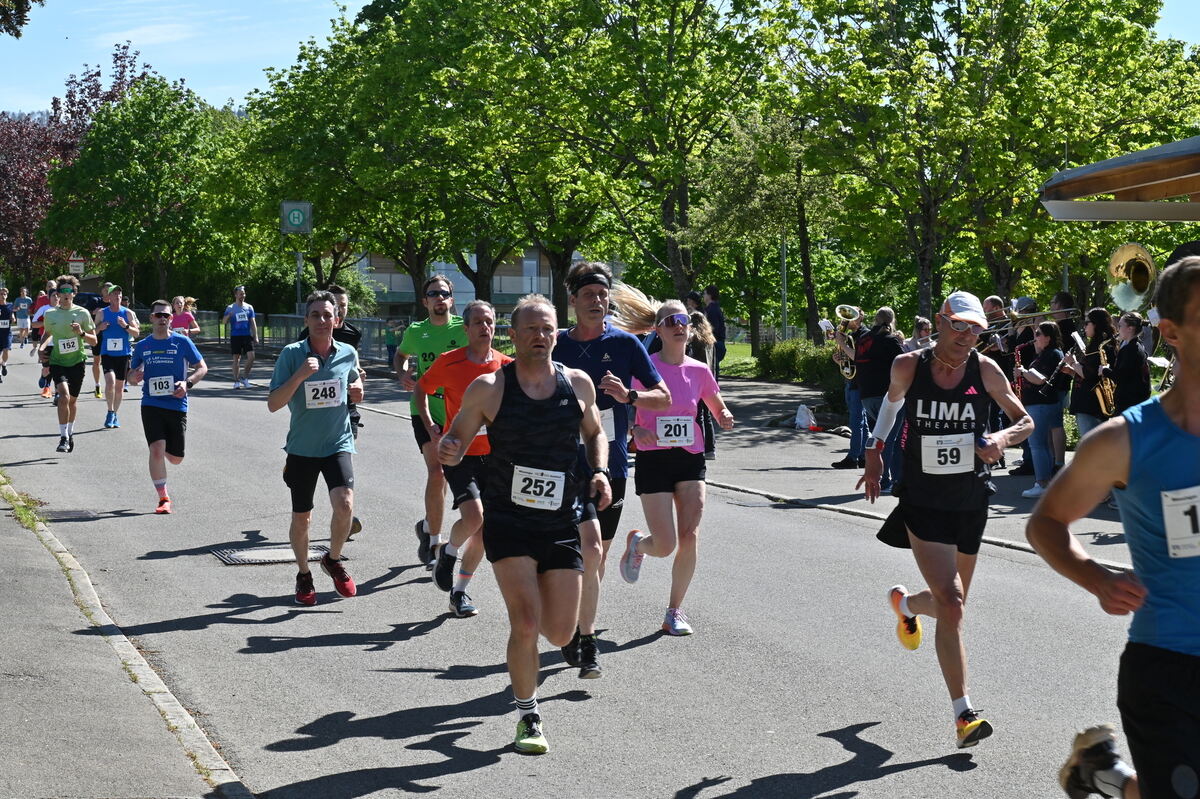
(889, 409)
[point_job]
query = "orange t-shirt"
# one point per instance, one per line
(452, 372)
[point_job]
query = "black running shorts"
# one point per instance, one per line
(240, 345)
(657, 471)
(97, 350)
(610, 517)
(1158, 694)
(553, 549)
(164, 424)
(300, 475)
(960, 528)
(466, 479)
(71, 375)
(117, 364)
(419, 432)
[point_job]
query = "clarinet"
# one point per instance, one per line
(1017, 372)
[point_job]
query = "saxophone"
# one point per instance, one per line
(1105, 388)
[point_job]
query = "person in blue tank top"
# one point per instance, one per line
(1149, 456)
(160, 363)
(243, 334)
(117, 327)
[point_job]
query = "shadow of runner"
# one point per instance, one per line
(869, 762)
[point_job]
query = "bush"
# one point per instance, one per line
(801, 361)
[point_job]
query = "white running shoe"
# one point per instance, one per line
(631, 561)
(675, 623)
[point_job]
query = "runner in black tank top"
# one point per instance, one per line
(943, 496)
(536, 412)
(941, 426)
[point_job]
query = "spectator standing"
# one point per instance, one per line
(873, 358)
(716, 319)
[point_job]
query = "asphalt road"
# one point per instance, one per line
(793, 685)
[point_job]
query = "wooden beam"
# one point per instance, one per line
(1161, 191)
(1125, 178)
(1112, 211)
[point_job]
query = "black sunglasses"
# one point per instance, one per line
(432, 293)
(161, 315)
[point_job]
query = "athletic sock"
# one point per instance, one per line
(425, 526)
(464, 578)
(450, 549)
(904, 606)
(962, 705)
(70, 429)
(62, 430)
(161, 487)
(435, 540)
(526, 706)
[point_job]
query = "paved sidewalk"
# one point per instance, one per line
(75, 724)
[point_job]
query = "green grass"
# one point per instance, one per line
(738, 361)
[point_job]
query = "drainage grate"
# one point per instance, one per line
(257, 556)
(64, 515)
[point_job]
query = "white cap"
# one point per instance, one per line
(965, 307)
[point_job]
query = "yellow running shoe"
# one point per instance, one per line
(529, 735)
(971, 728)
(908, 629)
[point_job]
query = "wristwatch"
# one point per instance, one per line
(633, 395)
(190, 384)
(875, 443)
(602, 470)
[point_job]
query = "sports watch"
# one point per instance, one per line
(633, 395)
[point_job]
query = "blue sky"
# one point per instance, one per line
(220, 47)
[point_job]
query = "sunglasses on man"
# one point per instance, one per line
(959, 326)
(435, 293)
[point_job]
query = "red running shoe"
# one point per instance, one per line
(342, 581)
(305, 593)
(164, 505)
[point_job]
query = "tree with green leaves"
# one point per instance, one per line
(14, 15)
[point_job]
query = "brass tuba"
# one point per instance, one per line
(847, 314)
(1131, 277)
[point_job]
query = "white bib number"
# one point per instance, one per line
(180, 330)
(115, 344)
(1181, 517)
(4, 323)
(163, 386)
(241, 316)
(68, 345)
(537, 488)
(322, 393)
(609, 425)
(675, 431)
(948, 454)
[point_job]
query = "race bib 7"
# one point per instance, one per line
(115, 345)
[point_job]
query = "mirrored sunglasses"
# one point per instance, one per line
(959, 326)
(675, 320)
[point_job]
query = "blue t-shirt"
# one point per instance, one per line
(166, 361)
(1164, 473)
(320, 424)
(622, 354)
(22, 305)
(239, 318)
(114, 333)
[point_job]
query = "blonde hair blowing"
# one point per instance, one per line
(639, 314)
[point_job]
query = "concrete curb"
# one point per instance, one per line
(803, 503)
(196, 744)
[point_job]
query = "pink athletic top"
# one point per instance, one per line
(184, 320)
(689, 383)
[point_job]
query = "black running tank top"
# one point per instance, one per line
(535, 454)
(940, 428)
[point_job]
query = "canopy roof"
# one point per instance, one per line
(1139, 182)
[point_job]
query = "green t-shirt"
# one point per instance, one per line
(425, 341)
(68, 348)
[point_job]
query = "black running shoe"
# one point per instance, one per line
(570, 652)
(70, 443)
(62, 445)
(589, 662)
(460, 603)
(1094, 766)
(845, 463)
(1024, 470)
(422, 543)
(443, 572)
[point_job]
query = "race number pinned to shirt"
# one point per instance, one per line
(115, 345)
(163, 386)
(68, 345)
(241, 316)
(4, 323)
(322, 393)
(537, 488)
(948, 454)
(675, 431)
(608, 424)
(1181, 518)
(180, 330)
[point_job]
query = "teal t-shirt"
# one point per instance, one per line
(425, 341)
(320, 424)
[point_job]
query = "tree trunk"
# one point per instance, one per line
(414, 258)
(675, 221)
(559, 256)
(810, 293)
(486, 264)
(318, 266)
(752, 295)
(130, 284)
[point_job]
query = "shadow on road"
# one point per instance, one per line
(250, 539)
(869, 762)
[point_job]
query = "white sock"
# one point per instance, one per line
(463, 580)
(62, 430)
(425, 526)
(1112, 781)
(450, 549)
(526, 706)
(904, 606)
(70, 429)
(435, 540)
(961, 705)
